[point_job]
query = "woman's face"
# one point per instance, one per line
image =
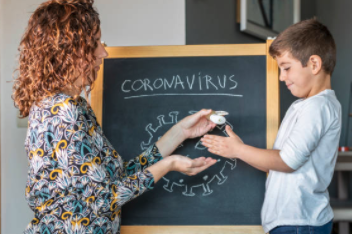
(100, 53)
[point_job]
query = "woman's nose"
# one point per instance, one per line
(102, 53)
(105, 53)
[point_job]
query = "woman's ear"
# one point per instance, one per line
(315, 64)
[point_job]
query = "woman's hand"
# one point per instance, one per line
(189, 166)
(181, 164)
(190, 127)
(227, 147)
(196, 125)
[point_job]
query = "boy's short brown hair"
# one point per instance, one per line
(304, 39)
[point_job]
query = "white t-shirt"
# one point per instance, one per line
(308, 140)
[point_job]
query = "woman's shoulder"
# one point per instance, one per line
(59, 99)
(59, 104)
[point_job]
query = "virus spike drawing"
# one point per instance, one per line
(205, 179)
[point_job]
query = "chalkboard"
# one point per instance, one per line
(142, 97)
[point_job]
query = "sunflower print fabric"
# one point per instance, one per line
(77, 182)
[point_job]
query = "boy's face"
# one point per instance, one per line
(298, 79)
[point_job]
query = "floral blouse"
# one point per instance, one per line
(77, 182)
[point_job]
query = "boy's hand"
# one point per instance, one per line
(227, 147)
(189, 166)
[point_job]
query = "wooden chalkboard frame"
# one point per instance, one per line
(272, 107)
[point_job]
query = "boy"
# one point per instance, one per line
(302, 161)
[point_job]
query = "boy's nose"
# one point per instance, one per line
(282, 77)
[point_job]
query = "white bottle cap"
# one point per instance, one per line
(218, 119)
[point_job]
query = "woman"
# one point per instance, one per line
(77, 182)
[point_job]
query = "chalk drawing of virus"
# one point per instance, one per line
(189, 148)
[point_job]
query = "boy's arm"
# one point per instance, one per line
(233, 147)
(263, 159)
(316, 119)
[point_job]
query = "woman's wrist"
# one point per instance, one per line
(179, 132)
(161, 168)
(170, 163)
(170, 141)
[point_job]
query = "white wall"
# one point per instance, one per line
(140, 22)
(124, 22)
(1, 33)
(14, 210)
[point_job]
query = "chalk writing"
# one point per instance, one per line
(196, 84)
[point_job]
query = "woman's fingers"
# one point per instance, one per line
(200, 158)
(206, 163)
(210, 160)
(197, 116)
(190, 166)
(204, 112)
(212, 125)
(198, 162)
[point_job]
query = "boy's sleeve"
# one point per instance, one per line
(310, 127)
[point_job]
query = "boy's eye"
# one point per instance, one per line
(286, 69)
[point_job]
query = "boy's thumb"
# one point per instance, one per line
(230, 132)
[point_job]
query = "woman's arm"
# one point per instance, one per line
(139, 174)
(189, 127)
(132, 186)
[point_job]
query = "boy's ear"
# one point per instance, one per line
(315, 64)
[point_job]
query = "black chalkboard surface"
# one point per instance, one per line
(140, 92)
(144, 97)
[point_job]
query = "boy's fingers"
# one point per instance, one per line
(205, 141)
(212, 138)
(212, 150)
(208, 145)
(217, 152)
(229, 131)
(216, 147)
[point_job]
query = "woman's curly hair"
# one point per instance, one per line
(57, 47)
